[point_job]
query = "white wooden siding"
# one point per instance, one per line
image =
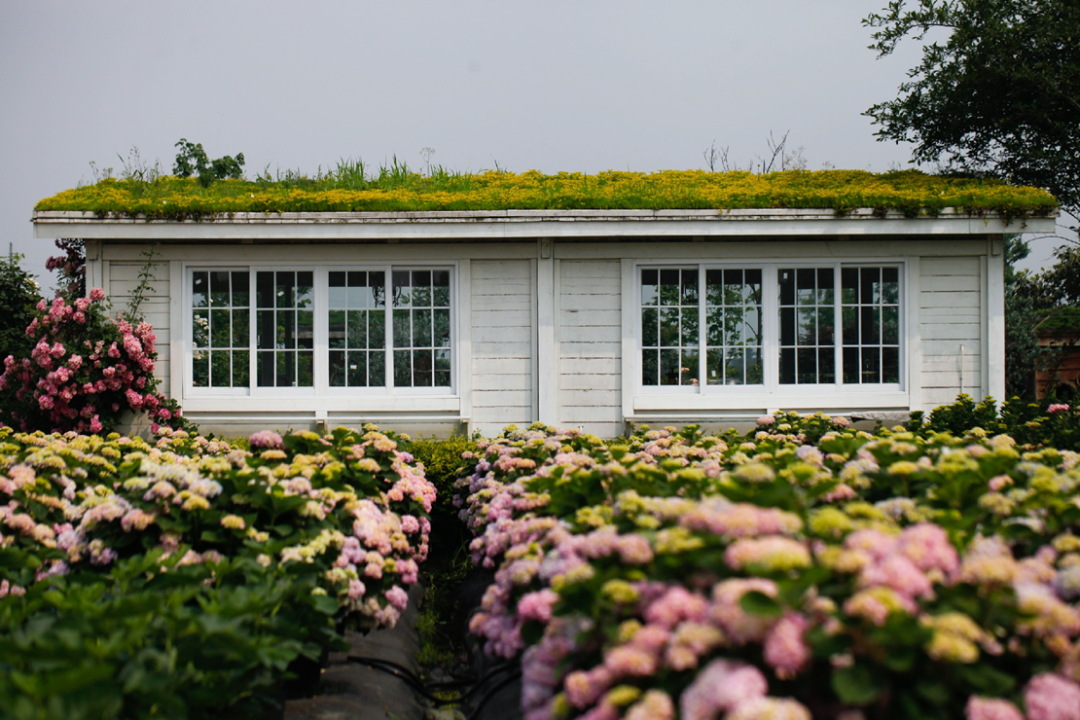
(951, 316)
(502, 345)
(590, 336)
(121, 281)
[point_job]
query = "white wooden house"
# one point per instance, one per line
(442, 321)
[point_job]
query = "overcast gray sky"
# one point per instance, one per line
(576, 86)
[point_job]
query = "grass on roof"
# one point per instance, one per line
(1060, 320)
(349, 188)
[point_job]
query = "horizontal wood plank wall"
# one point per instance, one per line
(951, 316)
(122, 280)
(502, 344)
(590, 337)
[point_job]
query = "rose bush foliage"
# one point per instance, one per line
(84, 372)
(210, 567)
(804, 570)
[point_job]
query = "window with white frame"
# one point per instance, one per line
(368, 330)
(770, 326)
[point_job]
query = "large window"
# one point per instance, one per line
(320, 330)
(827, 324)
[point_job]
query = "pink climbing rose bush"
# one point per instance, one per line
(86, 369)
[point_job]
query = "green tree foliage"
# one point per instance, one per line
(192, 160)
(999, 95)
(18, 296)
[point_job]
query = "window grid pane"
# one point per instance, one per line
(807, 325)
(733, 327)
(421, 328)
(871, 324)
(670, 327)
(286, 328)
(219, 329)
(357, 316)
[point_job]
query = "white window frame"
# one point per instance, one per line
(321, 396)
(771, 394)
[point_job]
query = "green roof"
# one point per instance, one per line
(910, 192)
(1060, 321)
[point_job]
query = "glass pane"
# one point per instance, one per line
(402, 290)
(200, 366)
(826, 318)
(376, 369)
(787, 326)
(890, 325)
(264, 289)
(402, 368)
(357, 370)
(376, 290)
(787, 286)
(871, 330)
(241, 331)
(752, 325)
(402, 331)
(805, 286)
(689, 287)
(266, 330)
(338, 296)
(849, 283)
(807, 326)
(240, 291)
(851, 325)
(305, 329)
(220, 329)
(336, 322)
(200, 328)
(669, 327)
(357, 293)
(423, 368)
(890, 365)
(649, 290)
(868, 285)
(807, 368)
(377, 330)
(890, 285)
(669, 367)
(752, 289)
(714, 327)
(754, 368)
(285, 289)
(220, 368)
(714, 287)
(305, 290)
(649, 327)
(649, 369)
(690, 366)
(421, 280)
(305, 362)
(337, 368)
(689, 327)
(851, 365)
(219, 289)
(871, 365)
(787, 366)
(266, 368)
(825, 283)
(440, 289)
(421, 327)
(200, 290)
(669, 287)
(286, 331)
(286, 369)
(440, 322)
(734, 362)
(241, 368)
(826, 365)
(714, 369)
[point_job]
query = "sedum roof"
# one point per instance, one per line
(911, 193)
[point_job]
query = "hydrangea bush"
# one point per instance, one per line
(84, 372)
(285, 538)
(804, 570)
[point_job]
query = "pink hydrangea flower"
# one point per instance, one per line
(1052, 697)
(785, 648)
(1057, 408)
(267, 439)
(979, 708)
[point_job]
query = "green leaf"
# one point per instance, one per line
(857, 685)
(758, 603)
(324, 604)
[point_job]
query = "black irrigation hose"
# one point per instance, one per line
(489, 694)
(407, 675)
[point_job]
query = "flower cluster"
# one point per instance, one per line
(806, 565)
